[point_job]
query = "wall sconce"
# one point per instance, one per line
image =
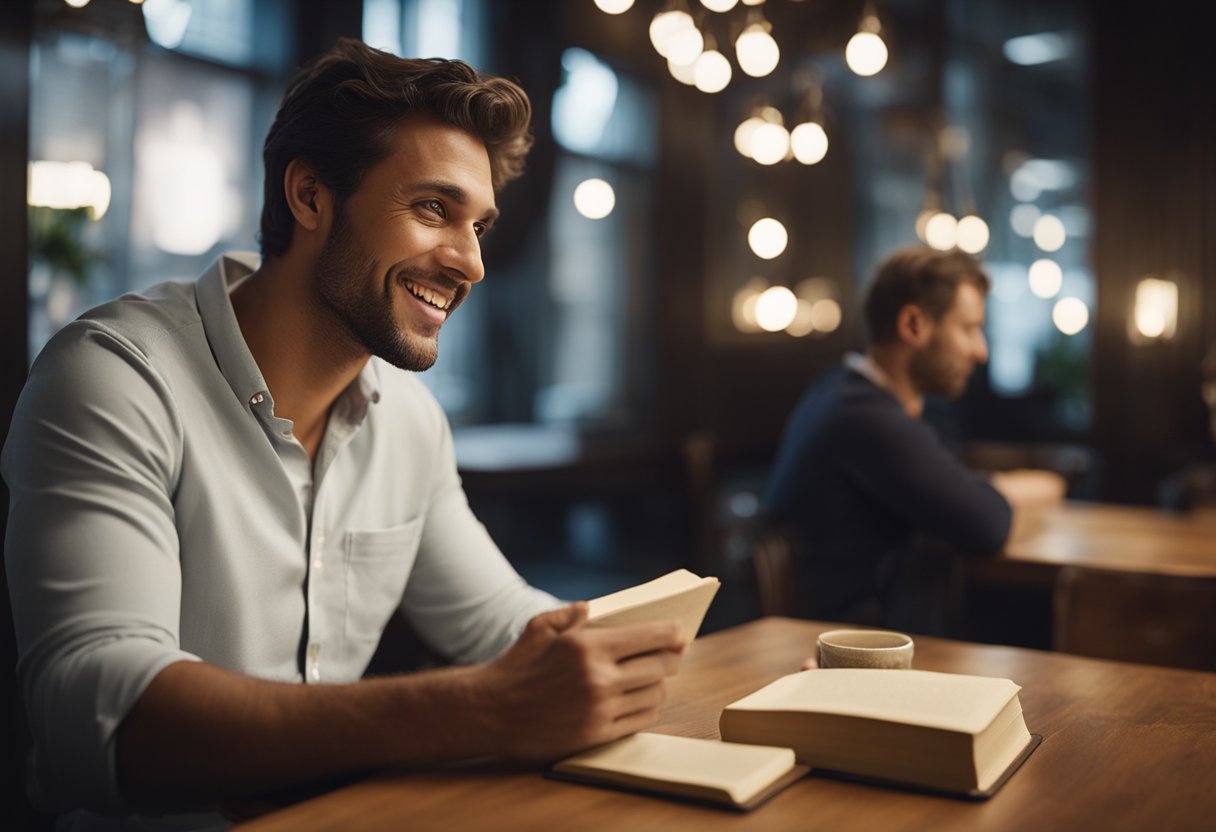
(1155, 312)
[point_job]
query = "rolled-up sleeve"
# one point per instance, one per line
(91, 553)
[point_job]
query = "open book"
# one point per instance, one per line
(739, 776)
(678, 596)
(939, 731)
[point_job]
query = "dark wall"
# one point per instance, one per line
(1155, 214)
(14, 152)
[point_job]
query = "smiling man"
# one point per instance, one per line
(858, 475)
(222, 492)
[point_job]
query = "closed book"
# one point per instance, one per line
(729, 774)
(939, 731)
(678, 596)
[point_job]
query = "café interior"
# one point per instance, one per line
(712, 184)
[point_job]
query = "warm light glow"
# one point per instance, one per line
(767, 238)
(1156, 311)
(1070, 315)
(744, 133)
(756, 51)
(1049, 233)
(809, 143)
(684, 46)
(972, 234)
(69, 185)
(77, 4)
(866, 54)
(775, 308)
(743, 305)
(594, 198)
(711, 71)
(684, 73)
(1023, 218)
(922, 221)
(826, 315)
(719, 5)
(770, 143)
(1046, 278)
(614, 6)
(666, 24)
(941, 231)
(803, 323)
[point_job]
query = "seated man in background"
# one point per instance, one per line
(859, 476)
(222, 491)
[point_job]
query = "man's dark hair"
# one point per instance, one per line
(340, 114)
(922, 276)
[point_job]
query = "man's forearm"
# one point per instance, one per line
(204, 735)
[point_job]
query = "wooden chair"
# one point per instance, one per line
(777, 587)
(1151, 619)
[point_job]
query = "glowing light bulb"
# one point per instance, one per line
(767, 238)
(594, 198)
(614, 6)
(743, 305)
(826, 315)
(1070, 315)
(775, 308)
(1049, 233)
(711, 71)
(684, 73)
(666, 24)
(719, 5)
(744, 133)
(685, 45)
(770, 143)
(866, 54)
(922, 221)
(809, 143)
(803, 323)
(972, 234)
(756, 51)
(941, 231)
(77, 4)
(1046, 278)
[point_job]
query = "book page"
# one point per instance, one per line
(738, 770)
(679, 596)
(948, 701)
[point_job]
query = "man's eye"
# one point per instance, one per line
(480, 229)
(433, 205)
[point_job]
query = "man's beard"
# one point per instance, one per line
(344, 277)
(934, 372)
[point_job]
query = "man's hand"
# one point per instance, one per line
(563, 687)
(1029, 488)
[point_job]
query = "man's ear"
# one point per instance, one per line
(913, 325)
(307, 197)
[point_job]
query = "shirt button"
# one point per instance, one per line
(316, 564)
(319, 540)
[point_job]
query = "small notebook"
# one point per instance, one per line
(724, 773)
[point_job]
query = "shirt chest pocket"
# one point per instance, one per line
(377, 566)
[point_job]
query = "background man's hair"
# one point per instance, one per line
(341, 110)
(918, 275)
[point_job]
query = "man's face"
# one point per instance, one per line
(956, 344)
(405, 247)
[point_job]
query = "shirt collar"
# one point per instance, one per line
(865, 366)
(223, 332)
(228, 344)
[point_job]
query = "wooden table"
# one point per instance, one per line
(1125, 747)
(1102, 536)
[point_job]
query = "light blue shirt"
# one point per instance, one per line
(161, 512)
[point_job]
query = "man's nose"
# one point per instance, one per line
(981, 349)
(461, 252)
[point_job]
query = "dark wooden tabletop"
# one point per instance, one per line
(1103, 536)
(1125, 747)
